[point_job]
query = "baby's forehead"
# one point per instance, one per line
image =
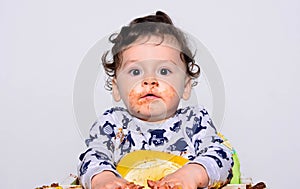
(163, 40)
(151, 50)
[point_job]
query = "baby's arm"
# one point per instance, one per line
(97, 169)
(215, 157)
(211, 165)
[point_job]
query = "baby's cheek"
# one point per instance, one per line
(134, 102)
(168, 93)
(133, 96)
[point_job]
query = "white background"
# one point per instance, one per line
(255, 43)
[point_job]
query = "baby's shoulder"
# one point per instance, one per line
(114, 115)
(115, 110)
(192, 111)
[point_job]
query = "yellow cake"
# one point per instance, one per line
(140, 166)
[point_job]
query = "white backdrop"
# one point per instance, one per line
(255, 43)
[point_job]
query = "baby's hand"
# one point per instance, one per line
(190, 176)
(108, 180)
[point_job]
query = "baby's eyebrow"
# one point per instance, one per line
(160, 60)
(174, 62)
(129, 62)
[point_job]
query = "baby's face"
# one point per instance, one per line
(151, 80)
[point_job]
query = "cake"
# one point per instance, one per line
(71, 182)
(57, 186)
(142, 165)
(260, 185)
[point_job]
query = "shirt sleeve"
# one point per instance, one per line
(99, 155)
(215, 157)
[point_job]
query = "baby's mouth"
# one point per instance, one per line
(149, 96)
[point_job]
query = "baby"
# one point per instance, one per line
(152, 69)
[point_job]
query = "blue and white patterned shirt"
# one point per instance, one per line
(190, 133)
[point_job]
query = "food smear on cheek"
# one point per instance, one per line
(134, 101)
(138, 104)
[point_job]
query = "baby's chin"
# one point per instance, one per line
(151, 116)
(147, 116)
(153, 110)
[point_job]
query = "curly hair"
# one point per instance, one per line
(159, 25)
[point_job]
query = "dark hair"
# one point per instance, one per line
(158, 25)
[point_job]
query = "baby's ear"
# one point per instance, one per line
(187, 88)
(115, 90)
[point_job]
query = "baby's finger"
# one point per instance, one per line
(151, 184)
(160, 185)
(177, 187)
(165, 186)
(170, 185)
(129, 185)
(121, 184)
(139, 187)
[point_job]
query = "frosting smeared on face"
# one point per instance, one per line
(152, 103)
(151, 81)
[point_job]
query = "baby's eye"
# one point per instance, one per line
(135, 72)
(164, 71)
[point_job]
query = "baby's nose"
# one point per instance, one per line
(150, 82)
